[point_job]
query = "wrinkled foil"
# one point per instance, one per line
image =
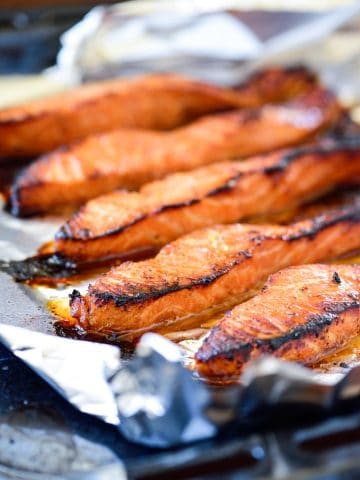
(155, 401)
(213, 40)
(78, 370)
(152, 398)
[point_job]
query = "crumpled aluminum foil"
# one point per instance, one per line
(158, 400)
(216, 40)
(78, 370)
(155, 401)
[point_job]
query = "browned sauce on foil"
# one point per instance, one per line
(53, 269)
(66, 326)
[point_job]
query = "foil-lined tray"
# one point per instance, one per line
(67, 444)
(152, 399)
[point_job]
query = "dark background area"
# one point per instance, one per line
(30, 31)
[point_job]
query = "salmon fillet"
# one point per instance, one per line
(130, 158)
(302, 314)
(120, 222)
(208, 271)
(338, 198)
(152, 101)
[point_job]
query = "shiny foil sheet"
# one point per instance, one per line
(155, 401)
(152, 398)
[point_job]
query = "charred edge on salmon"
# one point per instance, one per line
(318, 224)
(13, 202)
(283, 163)
(324, 221)
(15, 205)
(313, 327)
(41, 266)
(122, 300)
(336, 278)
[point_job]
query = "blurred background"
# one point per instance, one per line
(30, 30)
(133, 37)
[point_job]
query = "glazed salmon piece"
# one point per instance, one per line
(208, 271)
(120, 222)
(302, 314)
(151, 101)
(130, 158)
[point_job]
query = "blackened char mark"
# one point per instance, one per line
(102, 298)
(336, 278)
(347, 214)
(53, 266)
(313, 327)
(282, 164)
(318, 224)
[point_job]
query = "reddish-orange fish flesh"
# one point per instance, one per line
(120, 222)
(156, 102)
(130, 158)
(302, 314)
(208, 271)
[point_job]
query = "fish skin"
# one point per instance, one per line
(41, 125)
(302, 314)
(120, 222)
(129, 158)
(208, 271)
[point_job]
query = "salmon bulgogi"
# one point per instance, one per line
(130, 158)
(151, 101)
(120, 222)
(209, 271)
(302, 314)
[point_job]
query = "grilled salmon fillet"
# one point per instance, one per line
(208, 271)
(302, 314)
(121, 222)
(130, 158)
(152, 101)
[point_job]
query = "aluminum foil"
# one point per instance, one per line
(155, 401)
(152, 398)
(78, 370)
(216, 40)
